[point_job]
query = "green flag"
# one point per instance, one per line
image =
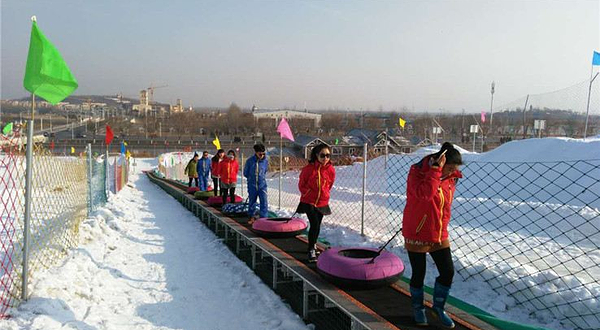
(46, 74)
(336, 141)
(7, 129)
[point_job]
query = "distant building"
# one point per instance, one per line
(288, 114)
(177, 107)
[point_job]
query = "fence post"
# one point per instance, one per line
(106, 176)
(26, 234)
(242, 192)
(90, 193)
(364, 187)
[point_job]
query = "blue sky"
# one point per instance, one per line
(428, 55)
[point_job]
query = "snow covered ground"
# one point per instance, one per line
(145, 262)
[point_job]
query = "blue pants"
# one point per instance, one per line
(203, 182)
(252, 195)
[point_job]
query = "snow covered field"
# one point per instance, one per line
(145, 262)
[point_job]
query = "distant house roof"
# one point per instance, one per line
(362, 136)
(289, 152)
(305, 140)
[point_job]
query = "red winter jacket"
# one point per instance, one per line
(228, 170)
(428, 203)
(214, 168)
(315, 183)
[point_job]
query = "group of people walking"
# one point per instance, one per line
(431, 185)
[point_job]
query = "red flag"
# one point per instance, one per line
(52, 145)
(109, 135)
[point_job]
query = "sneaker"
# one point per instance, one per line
(251, 221)
(312, 255)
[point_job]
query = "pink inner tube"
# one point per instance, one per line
(279, 226)
(218, 200)
(334, 263)
(192, 190)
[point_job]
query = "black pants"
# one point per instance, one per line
(443, 262)
(314, 217)
(192, 179)
(230, 192)
(216, 186)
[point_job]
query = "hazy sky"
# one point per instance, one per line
(325, 54)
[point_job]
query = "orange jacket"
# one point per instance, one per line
(315, 183)
(228, 169)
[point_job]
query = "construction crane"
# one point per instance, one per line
(151, 93)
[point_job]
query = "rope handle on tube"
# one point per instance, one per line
(383, 247)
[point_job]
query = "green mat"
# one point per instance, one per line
(481, 314)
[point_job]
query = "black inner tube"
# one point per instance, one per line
(358, 253)
(279, 219)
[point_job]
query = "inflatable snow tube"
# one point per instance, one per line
(203, 195)
(279, 227)
(192, 190)
(218, 200)
(351, 267)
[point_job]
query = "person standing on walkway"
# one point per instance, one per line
(255, 171)
(203, 170)
(316, 180)
(430, 191)
(214, 169)
(228, 170)
(190, 170)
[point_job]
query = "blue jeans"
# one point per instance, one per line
(253, 194)
(203, 182)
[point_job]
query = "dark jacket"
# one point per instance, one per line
(428, 203)
(190, 169)
(255, 171)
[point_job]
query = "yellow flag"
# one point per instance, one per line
(401, 121)
(217, 143)
(72, 150)
(127, 154)
(125, 143)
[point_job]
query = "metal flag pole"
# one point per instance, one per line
(587, 111)
(280, 166)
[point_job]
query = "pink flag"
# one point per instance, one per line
(483, 116)
(284, 130)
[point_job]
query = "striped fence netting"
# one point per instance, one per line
(98, 185)
(118, 172)
(57, 204)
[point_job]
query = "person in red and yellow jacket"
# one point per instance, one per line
(430, 191)
(316, 180)
(228, 169)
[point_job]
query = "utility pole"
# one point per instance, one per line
(492, 109)
(524, 112)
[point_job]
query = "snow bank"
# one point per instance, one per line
(145, 262)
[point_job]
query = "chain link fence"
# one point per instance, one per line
(56, 209)
(531, 231)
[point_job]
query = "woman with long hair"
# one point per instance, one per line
(214, 169)
(430, 190)
(316, 180)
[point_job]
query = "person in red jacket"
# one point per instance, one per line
(214, 169)
(316, 180)
(430, 190)
(228, 170)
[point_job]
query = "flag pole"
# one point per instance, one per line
(280, 166)
(27, 219)
(587, 112)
